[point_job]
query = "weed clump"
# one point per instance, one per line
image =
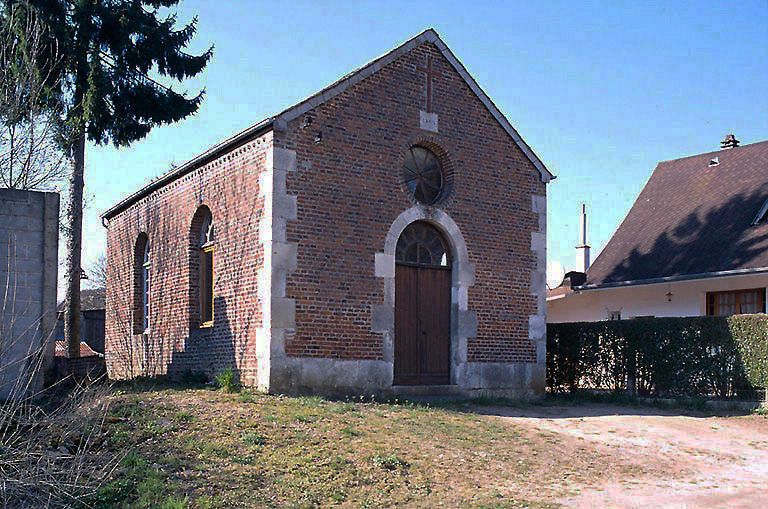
(228, 380)
(391, 462)
(254, 439)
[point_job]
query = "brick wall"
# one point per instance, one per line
(79, 368)
(349, 192)
(229, 187)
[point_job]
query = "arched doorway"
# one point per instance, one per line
(422, 307)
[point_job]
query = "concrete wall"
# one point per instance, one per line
(28, 271)
(688, 299)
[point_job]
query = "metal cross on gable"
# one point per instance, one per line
(430, 73)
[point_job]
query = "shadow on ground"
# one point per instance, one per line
(550, 407)
(558, 407)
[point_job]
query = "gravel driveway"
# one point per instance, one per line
(684, 460)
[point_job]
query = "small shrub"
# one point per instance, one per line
(350, 431)
(338, 496)
(311, 401)
(254, 439)
(242, 460)
(184, 416)
(247, 397)
(209, 502)
(390, 462)
(228, 381)
(339, 463)
(174, 503)
(137, 485)
(151, 490)
(343, 408)
(155, 428)
(212, 450)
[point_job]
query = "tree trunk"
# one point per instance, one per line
(74, 244)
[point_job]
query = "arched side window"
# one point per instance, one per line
(141, 286)
(145, 286)
(202, 243)
(421, 244)
(206, 272)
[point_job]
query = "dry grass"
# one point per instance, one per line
(52, 448)
(205, 448)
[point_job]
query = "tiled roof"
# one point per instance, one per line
(695, 216)
(85, 350)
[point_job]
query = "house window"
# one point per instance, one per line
(761, 214)
(740, 302)
(206, 250)
(423, 175)
(145, 286)
(141, 284)
(421, 244)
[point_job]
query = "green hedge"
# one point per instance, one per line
(667, 357)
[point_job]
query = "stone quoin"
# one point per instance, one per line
(283, 253)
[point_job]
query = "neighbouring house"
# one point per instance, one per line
(385, 235)
(85, 350)
(91, 319)
(88, 364)
(694, 243)
(29, 240)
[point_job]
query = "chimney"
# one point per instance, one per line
(582, 250)
(730, 141)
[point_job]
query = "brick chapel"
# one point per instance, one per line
(386, 235)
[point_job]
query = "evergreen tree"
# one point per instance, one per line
(109, 48)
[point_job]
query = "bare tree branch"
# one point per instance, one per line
(30, 157)
(97, 272)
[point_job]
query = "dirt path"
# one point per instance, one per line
(683, 461)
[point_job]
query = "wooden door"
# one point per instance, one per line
(422, 325)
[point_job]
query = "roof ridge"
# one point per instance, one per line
(356, 70)
(712, 152)
(427, 36)
(279, 121)
(689, 221)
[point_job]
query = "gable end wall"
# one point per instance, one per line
(347, 195)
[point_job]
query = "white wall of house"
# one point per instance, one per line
(688, 299)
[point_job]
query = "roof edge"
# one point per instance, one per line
(673, 279)
(712, 153)
(194, 163)
(280, 121)
(544, 172)
(431, 36)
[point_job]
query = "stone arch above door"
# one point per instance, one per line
(463, 319)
